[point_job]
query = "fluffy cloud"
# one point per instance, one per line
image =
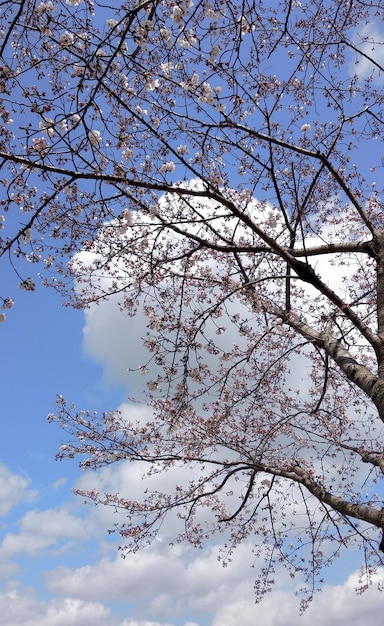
(13, 489)
(119, 344)
(133, 622)
(169, 582)
(162, 578)
(337, 604)
(20, 608)
(369, 40)
(39, 530)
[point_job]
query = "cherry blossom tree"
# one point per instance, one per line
(216, 167)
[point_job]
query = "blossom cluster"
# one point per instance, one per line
(179, 10)
(27, 285)
(7, 304)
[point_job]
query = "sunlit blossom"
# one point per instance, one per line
(169, 166)
(166, 68)
(126, 154)
(151, 85)
(40, 145)
(27, 235)
(215, 50)
(177, 14)
(146, 165)
(45, 7)
(47, 126)
(66, 39)
(75, 119)
(305, 127)
(63, 126)
(187, 41)
(94, 137)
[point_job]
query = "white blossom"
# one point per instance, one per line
(45, 7)
(126, 154)
(75, 119)
(78, 69)
(125, 219)
(168, 166)
(166, 68)
(126, 215)
(146, 165)
(111, 23)
(151, 85)
(46, 125)
(94, 137)
(66, 38)
(305, 127)
(147, 24)
(40, 145)
(206, 93)
(164, 32)
(215, 50)
(141, 111)
(187, 41)
(73, 3)
(63, 126)
(27, 235)
(191, 83)
(182, 149)
(7, 303)
(177, 14)
(27, 285)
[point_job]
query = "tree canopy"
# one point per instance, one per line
(217, 167)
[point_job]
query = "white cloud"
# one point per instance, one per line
(134, 622)
(337, 604)
(20, 608)
(60, 482)
(39, 530)
(115, 341)
(167, 582)
(8, 569)
(13, 489)
(369, 39)
(161, 580)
